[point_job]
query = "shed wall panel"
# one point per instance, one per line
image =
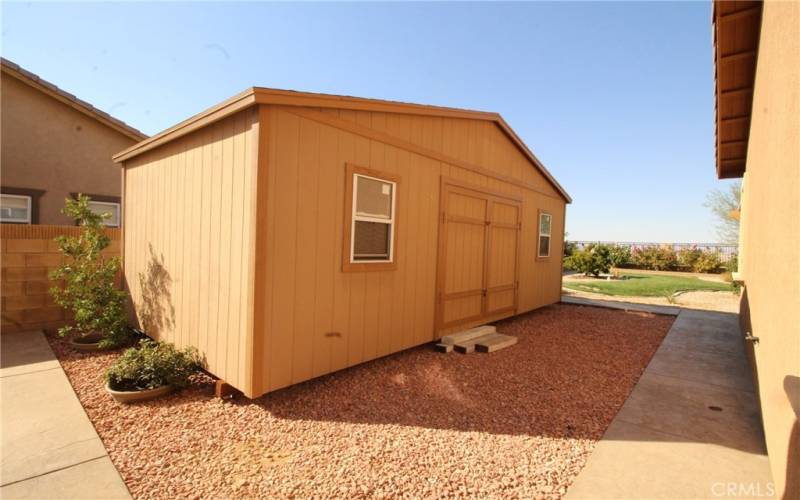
(188, 236)
(321, 319)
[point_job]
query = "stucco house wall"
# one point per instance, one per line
(51, 148)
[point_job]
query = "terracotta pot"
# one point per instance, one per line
(134, 396)
(86, 343)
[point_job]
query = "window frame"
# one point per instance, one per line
(29, 199)
(539, 235)
(114, 203)
(349, 261)
(105, 199)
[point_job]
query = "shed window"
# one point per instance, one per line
(370, 215)
(545, 222)
(373, 219)
(15, 208)
(101, 207)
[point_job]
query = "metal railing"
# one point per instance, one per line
(724, 251)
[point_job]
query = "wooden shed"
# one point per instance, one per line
(287, 235)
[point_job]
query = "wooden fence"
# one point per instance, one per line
(28, 255)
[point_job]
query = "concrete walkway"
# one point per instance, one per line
(690, 428)
(49, 447)
(625, 306)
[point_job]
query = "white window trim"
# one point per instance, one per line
(549, 235)
(355, 217)
(110, 203)
(29, 201)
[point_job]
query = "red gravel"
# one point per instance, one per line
(520, 422)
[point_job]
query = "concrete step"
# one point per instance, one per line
(466, 335)
(494, 342)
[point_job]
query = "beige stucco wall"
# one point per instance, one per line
(770, 239)
(49, 146)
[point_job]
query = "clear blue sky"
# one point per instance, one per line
(616, 99)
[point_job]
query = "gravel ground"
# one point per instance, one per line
(518, 423)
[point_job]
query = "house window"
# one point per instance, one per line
(545, 223)
(370, 235)
(101, 207)
(15, 208)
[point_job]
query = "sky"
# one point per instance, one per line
(615, 99)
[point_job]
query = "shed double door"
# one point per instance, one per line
(478, 270)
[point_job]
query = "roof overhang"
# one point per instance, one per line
(14, 70)
(259, 95)
(736, 29)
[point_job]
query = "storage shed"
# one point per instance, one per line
(287, 235)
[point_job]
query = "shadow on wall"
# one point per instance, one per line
(791, 385)
(156, 310)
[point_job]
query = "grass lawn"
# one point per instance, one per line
(646, 285)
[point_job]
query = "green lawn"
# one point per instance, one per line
(646, 285)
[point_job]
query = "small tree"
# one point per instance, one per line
(722, 204)
(89, 290)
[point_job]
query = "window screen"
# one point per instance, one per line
(373, 219)
(545, 221)
(15, 208)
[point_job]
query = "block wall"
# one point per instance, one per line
(28, 254)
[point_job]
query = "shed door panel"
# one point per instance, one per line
(465, 247)
(479, 241)
(501, 273)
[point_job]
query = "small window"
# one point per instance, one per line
(15, 208)
(373, 219)
(101, 207)
(545, 222)
(370, 220)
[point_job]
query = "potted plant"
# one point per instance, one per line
(149, 371)
(89, 290)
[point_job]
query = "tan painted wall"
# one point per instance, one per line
(48, 145)
(319, 319)
(28, 255)
(247, 264)
(770, 239)
(188, 234)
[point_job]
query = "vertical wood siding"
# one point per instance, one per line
(189, 231)
(319, 319)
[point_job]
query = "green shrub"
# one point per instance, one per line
(152, 365)
(620, 255)
(89, 290)
(688, 256)
(569, 248)
(708, 262)
(732, 264)
(594, 259)
(657, 258)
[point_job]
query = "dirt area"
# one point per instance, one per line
(706, 300)
(517, 423)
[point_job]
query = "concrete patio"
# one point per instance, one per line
(690, 428)
(49, 447)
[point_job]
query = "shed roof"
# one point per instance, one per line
(35, 81)
(736, 29)
(260, 95)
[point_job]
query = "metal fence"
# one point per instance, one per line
(724, 251)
